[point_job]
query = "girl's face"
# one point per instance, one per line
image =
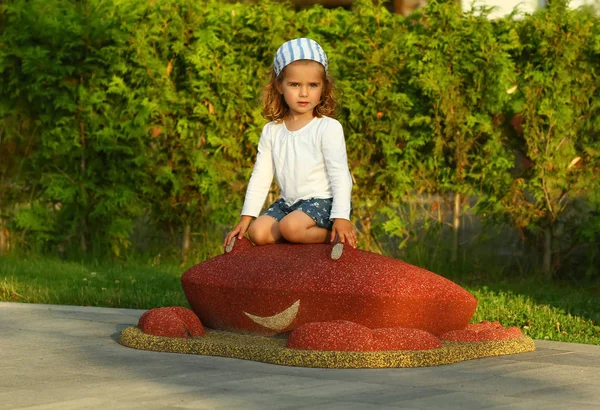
(302, 86)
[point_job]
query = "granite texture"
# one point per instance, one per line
(273, 350)
(171, 322)
(273, 289)
(322, 306)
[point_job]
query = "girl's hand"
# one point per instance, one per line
(239, 230)
(343, 229)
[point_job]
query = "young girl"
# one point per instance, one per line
(305, 149)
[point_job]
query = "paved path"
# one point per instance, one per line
(64, 357)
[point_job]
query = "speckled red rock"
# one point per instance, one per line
(171, 322)
(483, 331)
(276, 288)
(339, 335)
(404, 339)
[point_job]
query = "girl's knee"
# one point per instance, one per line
(257, 236)
(291, 229)
(260, 235)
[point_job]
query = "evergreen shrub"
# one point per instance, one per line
(114, 112)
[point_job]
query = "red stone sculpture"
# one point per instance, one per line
(277, 288)
(346, 336)
(328, 298)
(339, 335)
(481, 332)
(171, 322)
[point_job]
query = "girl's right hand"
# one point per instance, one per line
(239, 230)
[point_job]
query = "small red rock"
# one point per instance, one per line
(171, 322)
(404, 339)
(339, 335)
(483, 331)
(501, 334)
(461, 336)
(484, 325)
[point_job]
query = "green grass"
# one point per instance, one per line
(543, 311)
(551, 311)
(45, 280)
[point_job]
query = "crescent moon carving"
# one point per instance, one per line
(278, 321)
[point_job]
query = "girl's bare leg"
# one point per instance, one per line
(298, 227)
(264, 230)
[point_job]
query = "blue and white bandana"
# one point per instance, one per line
(298, 49)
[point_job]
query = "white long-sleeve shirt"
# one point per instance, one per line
(308, 163)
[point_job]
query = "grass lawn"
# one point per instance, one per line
(45, 280)
(551, 311)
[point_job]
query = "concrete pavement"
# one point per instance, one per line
(65, 357)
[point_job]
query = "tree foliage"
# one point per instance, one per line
(558, 133)
(114, 111)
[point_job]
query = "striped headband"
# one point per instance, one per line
(298, 49)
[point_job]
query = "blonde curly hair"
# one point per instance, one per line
(275, 107)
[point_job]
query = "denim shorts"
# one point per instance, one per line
(318, 209)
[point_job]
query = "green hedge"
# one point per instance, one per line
(116, 111)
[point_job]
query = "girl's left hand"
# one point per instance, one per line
(343, 229)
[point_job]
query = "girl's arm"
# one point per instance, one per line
(333, 146)
(262, 176)
(258, 187)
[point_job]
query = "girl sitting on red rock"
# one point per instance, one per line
(304, 148)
